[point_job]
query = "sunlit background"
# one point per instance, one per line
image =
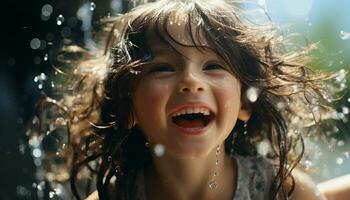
(31, 30)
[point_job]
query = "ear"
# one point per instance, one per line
(245, 110)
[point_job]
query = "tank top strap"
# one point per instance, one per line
(255, 175)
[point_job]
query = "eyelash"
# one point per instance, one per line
(162, 68)
(167, 68)
(217, 67)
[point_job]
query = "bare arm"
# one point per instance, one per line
(337, 188)
(305, 188)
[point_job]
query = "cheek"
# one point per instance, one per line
(228, 95)
(150, 100)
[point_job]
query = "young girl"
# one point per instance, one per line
(180, 103)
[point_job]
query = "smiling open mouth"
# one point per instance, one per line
(193, 120)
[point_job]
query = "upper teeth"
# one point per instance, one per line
(204, 111)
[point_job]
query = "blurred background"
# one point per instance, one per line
(32, 30)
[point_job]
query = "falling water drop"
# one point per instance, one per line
(339, 161)
(52, 194)
(159, 150)
(35, 43)
(60, 20)
(347, 154)
(92, 6)
(344, 35)
(252, 94)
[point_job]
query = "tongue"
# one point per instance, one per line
(196, 123)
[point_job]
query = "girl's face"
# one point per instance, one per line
(192, 81)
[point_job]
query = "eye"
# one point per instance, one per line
(162, 68)
(213, 66)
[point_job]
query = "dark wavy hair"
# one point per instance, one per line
(98, 103)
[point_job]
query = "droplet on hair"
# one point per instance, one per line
(252, 94)
(307, 164)
(159, 150)
(264, 147)
(135, 72)
(117, 169)
(341, 75)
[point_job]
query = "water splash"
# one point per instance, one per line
(344, 35)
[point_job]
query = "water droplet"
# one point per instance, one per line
(66, 32)
(41, 185)
(109, 158)
(117, 169)
(46, 10)
(35, 43)
(344, 35)
(92, 6)
(60, 20)
(339, 161)
(252, 94)
(159, 149)
(340, 143)
(46, 57)
(307, 164)
(52, 84)
(52, 194)
(213, 184)
(135, 72)
(11, 62)
(37, 153)
(116, 6)
(347, 154)
(345, 110)
(37, 60)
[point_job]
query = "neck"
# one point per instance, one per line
(189, 178)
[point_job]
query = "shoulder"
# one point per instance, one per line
(304, 187)
(337, 188)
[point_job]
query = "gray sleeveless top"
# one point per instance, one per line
(255, 175)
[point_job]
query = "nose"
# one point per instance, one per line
(191, 81)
